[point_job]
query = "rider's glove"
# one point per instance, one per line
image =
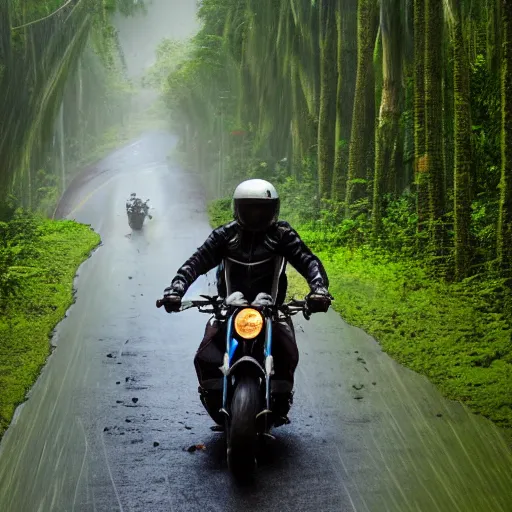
(172, 300)
(319, 300)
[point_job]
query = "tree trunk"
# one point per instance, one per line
(360, 143)
(462, 165)
(302, 127)
(406, 153)
(81, 121)
(386, 136)
(493, 35)
(420, 167)
(5, 104)
(346, 18)
(373, 94)
(434, 120)
(448, 117)
(327, 112)
(62, 150)
(5, 36)
(505, 214)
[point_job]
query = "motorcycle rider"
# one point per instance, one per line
(135, 205)
(251, 242)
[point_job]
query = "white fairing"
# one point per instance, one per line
(225, 367)
(255, 189)
(269, 365)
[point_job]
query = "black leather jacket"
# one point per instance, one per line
(252, 261)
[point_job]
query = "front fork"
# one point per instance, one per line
(269, 360)
(231, 345)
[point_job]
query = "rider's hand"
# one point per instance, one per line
(319, 301)
(172, 301)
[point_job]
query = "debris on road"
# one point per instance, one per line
(195, 447)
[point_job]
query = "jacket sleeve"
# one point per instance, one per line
(302, 259)
(207, 257)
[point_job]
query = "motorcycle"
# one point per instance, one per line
(247, 369)
(137, 211)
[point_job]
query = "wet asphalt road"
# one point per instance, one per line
(106, 424)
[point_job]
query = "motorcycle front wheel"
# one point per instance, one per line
(242, 433)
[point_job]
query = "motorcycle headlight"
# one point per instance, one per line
(248, 323)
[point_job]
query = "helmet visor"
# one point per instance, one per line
(256, 214)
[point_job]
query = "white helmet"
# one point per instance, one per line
(256, 204)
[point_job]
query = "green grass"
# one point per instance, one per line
(439, 330)
(41, 303)
(444, 331)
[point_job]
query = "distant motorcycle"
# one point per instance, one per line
(248, 369)
(137, 211)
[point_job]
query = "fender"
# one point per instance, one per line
(249, 365)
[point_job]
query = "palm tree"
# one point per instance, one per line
(462, 133)
(505, 214)
(420, 167)
(362, 123)
(434, 164)
(386, 138)
(346, 19)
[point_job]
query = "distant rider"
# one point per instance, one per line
(254, 236)
(136, 205)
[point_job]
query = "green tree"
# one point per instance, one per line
(462, 129)
(420, 167)
(327, 113)
(362, 123)
(346, 19)
(505, 214)
(434, 165)
(386, 142)
(42, 42)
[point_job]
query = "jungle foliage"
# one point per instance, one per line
(378, 107)
(386, 126)
(62, 87)
(38, 262)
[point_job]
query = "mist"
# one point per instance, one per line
(141, 34)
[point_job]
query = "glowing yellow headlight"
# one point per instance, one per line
(248, 323)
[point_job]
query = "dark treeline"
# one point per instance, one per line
(385, 122)
(61, 86)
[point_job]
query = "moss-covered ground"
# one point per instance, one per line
(49, 261)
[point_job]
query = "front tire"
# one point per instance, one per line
(242, 433)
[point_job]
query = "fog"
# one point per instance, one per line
(141, 34)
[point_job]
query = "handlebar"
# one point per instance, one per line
(293, 307)
(189, 303)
